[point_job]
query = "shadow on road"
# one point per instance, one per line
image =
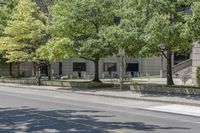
(26, 119)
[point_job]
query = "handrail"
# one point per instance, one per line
(180, 66)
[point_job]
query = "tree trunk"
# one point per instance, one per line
(96, 74)
(169, 69)
(49, 71)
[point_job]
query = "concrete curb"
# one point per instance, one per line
(110, 96)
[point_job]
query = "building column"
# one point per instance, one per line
(195, 60)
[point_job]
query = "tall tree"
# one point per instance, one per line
(55, 50)
(193, 22)
(129, 29)
(6, 10)
(164, 31)
(25, 32)
(83, 22)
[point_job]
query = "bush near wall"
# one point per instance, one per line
(198, 75)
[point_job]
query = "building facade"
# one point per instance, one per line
(108, 67)
(80, 68)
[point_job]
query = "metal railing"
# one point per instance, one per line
(179, 67)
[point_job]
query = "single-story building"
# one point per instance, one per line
(108, 67)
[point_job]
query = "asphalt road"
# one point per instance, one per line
(33, 111)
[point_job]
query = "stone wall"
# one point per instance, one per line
(79, 85)
(163, 89)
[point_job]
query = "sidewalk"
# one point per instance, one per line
(171, 99)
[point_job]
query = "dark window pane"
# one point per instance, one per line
(60, 68)
(132, 67)
(44, 69)
(179, 58)
(79, 67)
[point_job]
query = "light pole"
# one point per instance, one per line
(162, 50)
(121, 54)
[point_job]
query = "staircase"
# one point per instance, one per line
(181, 69)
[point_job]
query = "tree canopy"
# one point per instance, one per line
(25, 32)
(193, 22)
(88, 29)
(128, 33)
(164, 32)
(83, 22)
(6, 9)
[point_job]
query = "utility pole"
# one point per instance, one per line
(121, 55)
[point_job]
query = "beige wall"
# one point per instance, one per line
(67, 66)
(4, 69)
(25, 68)
(195, 60)
(152, 65)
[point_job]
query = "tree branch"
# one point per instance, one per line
(163, 53)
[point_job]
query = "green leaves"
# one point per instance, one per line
(167, 28)
(56, 49)
(6, 9)
(87, 29)
(25, 32)
(193, 22)
(83, 21)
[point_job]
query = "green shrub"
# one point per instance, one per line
(198, 75)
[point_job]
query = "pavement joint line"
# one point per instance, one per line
(108, 96)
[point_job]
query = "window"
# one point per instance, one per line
(179, 58)
(60, 68)
(110, 67)
(132, 67)
(79, 67)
